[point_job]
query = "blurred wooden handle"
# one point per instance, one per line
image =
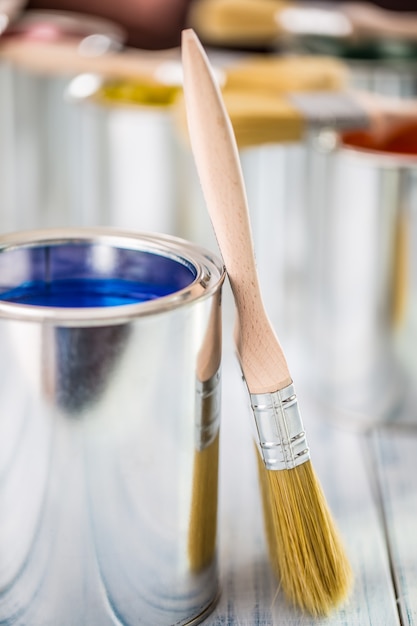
(63, 57)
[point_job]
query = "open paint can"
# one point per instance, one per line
(358, 298)
(125, 150)
(110, 378)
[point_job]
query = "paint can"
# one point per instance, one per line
(39, 129)
(110, 376)
(327, 225)
(383, 65)
(390, 77)
(132, 169)
(359, 207)
(127, 166)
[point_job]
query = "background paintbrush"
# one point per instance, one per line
(266, 105)
(305, 547)
(66, 57)
(253, 23)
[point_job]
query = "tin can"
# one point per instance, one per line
(361, 198)
(382, 65)
(332, 220)
(390, 77)
(110, 376)
(127, 167)
(42, 135)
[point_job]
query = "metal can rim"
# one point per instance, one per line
(209, 274)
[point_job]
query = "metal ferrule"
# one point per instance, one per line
(281, 437)
(207, 411)
(329, 109)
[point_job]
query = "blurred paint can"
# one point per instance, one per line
(129, 162)
(38, 176)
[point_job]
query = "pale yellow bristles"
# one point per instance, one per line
(306, 552)
(401, 270)
(203, 515)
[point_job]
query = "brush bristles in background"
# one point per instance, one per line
(306, 552)
(400, 270)
(203, 516)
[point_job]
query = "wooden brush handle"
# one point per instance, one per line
(369, 20)
(63, 57)
(218, 166)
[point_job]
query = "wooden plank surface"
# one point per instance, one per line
(395, 453)
(250, 594)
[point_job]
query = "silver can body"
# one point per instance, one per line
(352, 217)
(383, 65)
(83, 163)
(42, 153)
(391, 78)
(354, 297)
(108, 435)
(334, 228)
(42, 149)
(127, 149)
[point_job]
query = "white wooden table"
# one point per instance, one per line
(370, 482)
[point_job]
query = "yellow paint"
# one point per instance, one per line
(137, 93)
(276, 74)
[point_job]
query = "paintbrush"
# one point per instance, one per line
(305, 548)
(254, 23)
(260, 116)
(66, 56)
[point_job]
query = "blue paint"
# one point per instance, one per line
(84, 293)
(67, 275)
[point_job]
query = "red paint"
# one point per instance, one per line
(401, 141)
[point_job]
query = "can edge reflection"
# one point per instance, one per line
(209, 273)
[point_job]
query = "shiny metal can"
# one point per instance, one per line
(128, 147)
(42, 135)
(383, 63)
(334, 228)
(359, 217)
(109, 429)
(396, 78)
